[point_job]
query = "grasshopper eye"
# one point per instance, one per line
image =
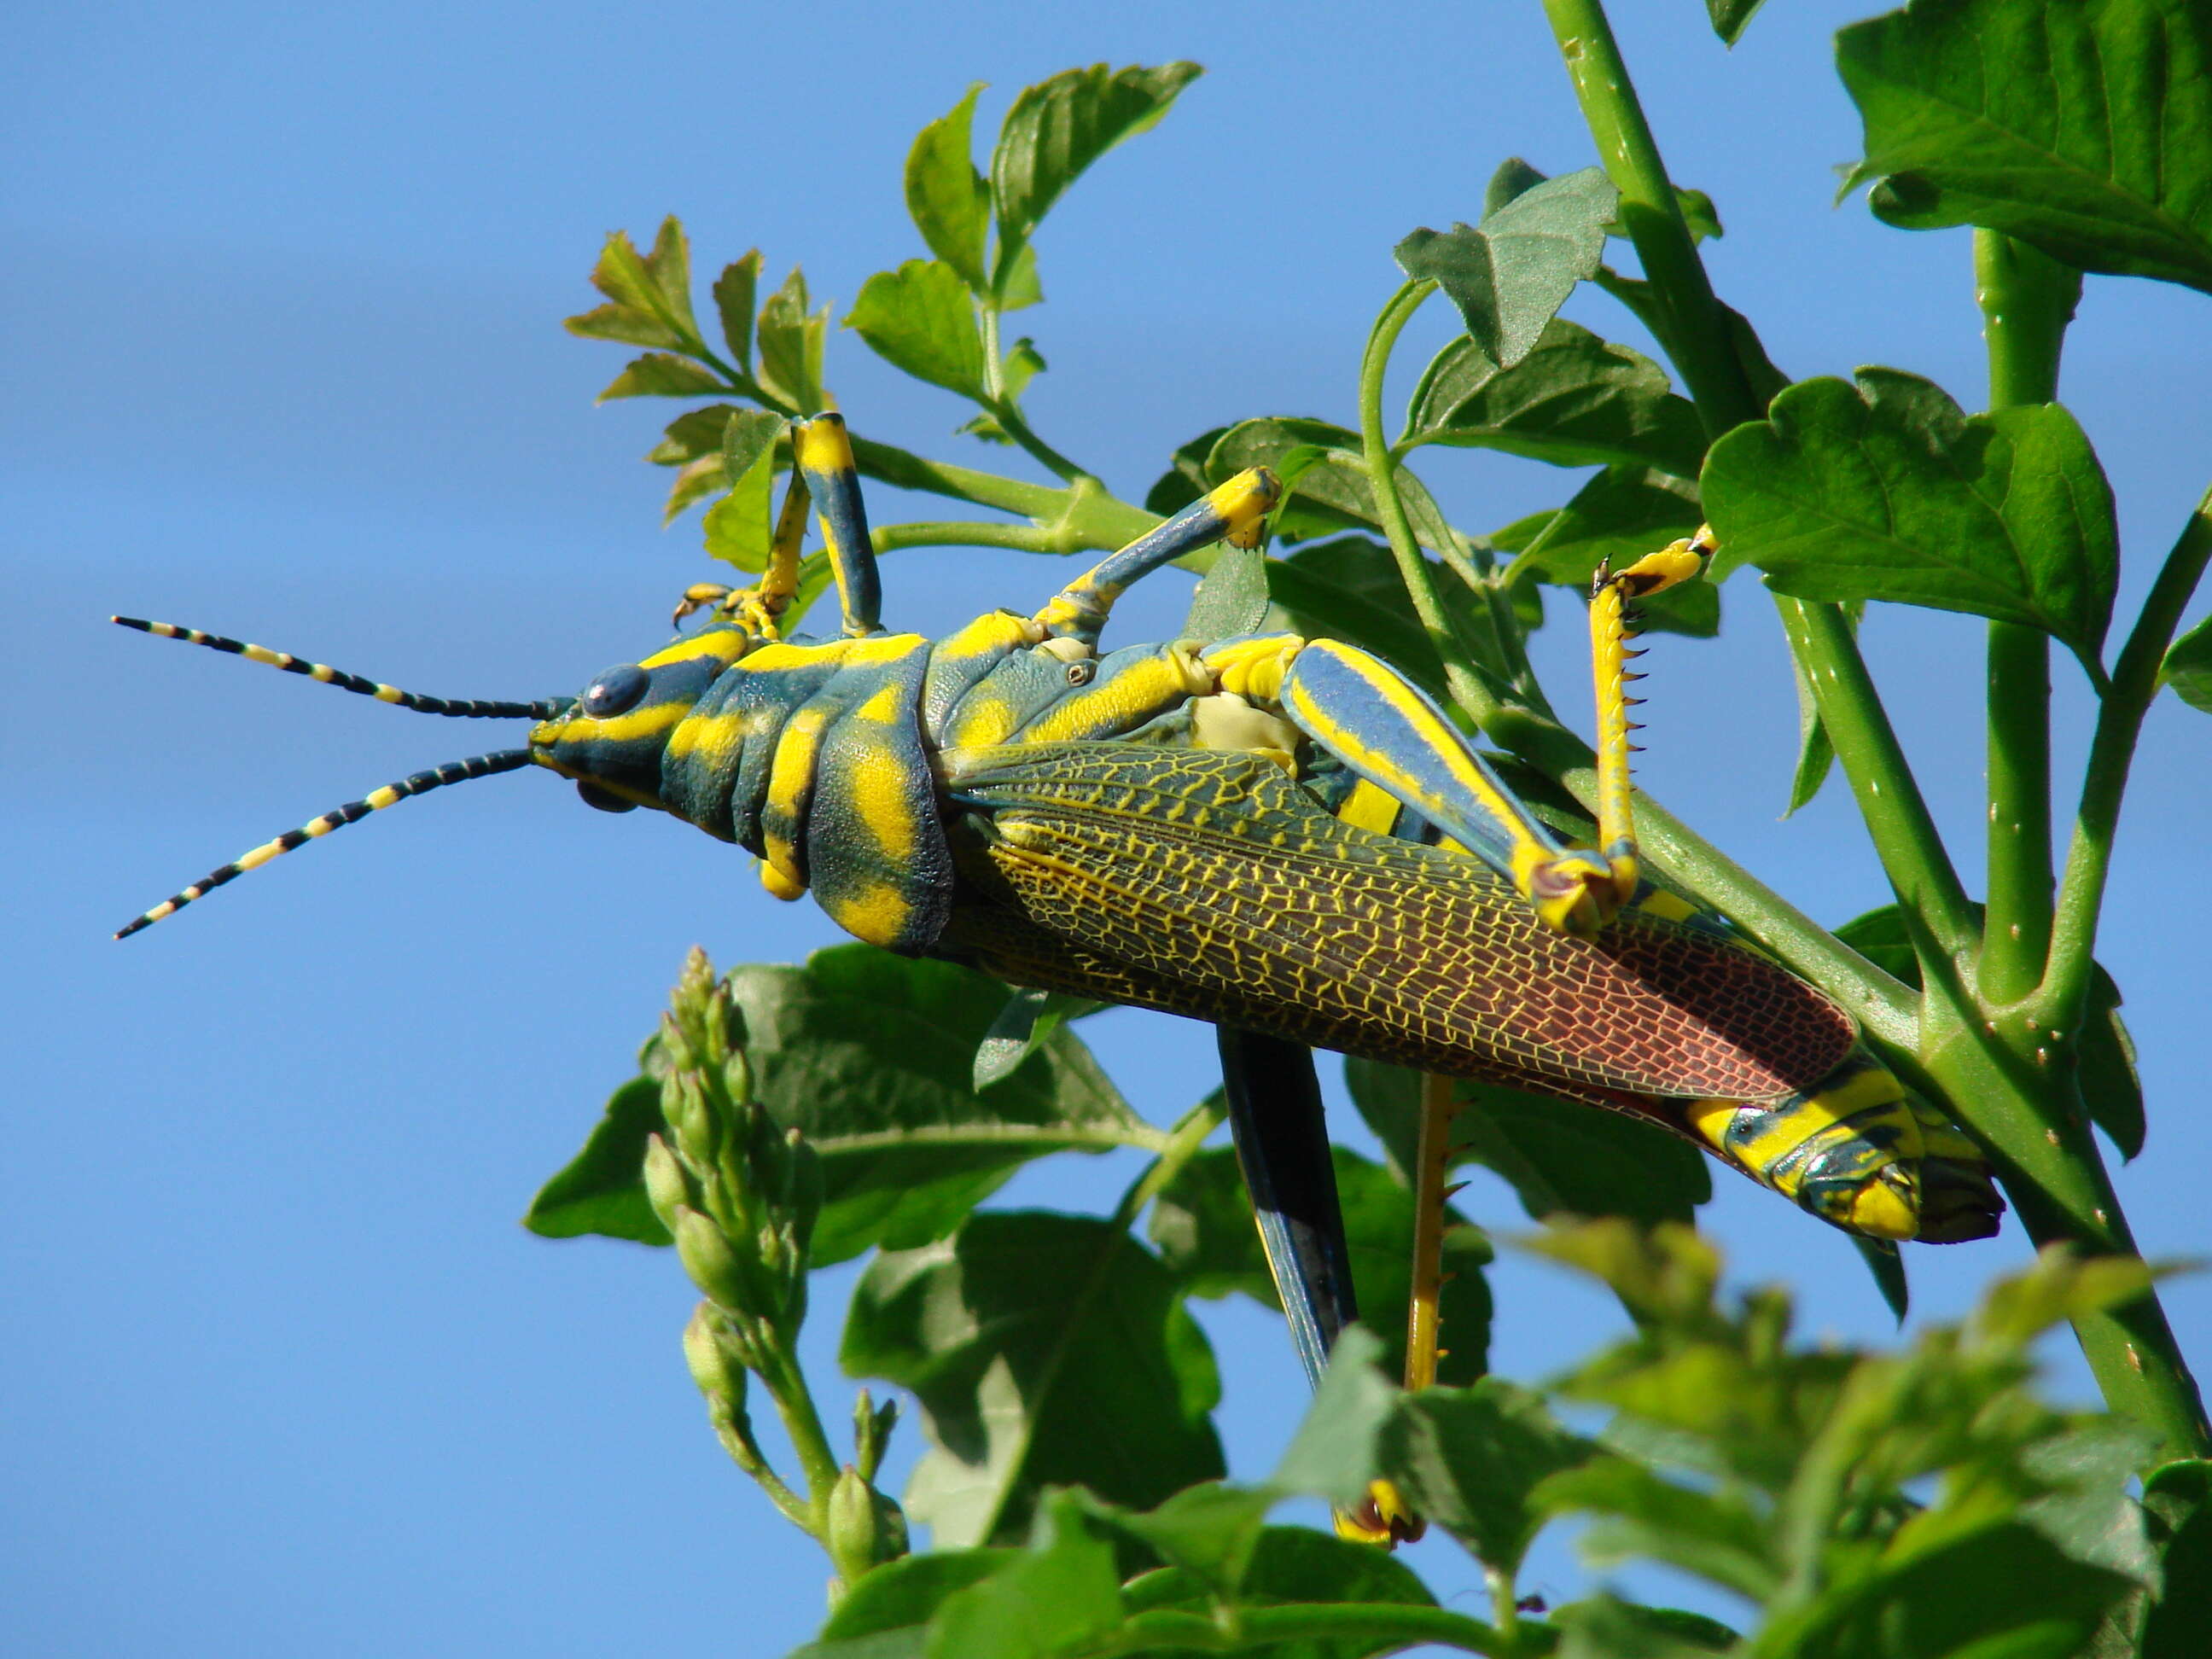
(605, 799)
(615, 690)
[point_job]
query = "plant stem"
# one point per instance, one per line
(1022, 538)
(1089, 515)
(2026, 300)
(2112, 751)
(794, 1403)
(1376, 1627)
(1652, 215)
(1459, 678)
(2060, 1188)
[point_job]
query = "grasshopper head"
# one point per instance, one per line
(610, 740)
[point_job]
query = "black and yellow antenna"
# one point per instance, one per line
(461, 709)
(477, 766)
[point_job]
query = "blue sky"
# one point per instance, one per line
(283, 361)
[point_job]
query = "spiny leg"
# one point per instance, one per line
(1612, 626)
(759, 609)
(1387, 729)
(1236, 513)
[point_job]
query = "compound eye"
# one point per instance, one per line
(616, 690)
(592, 795)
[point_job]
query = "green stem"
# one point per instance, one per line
(2058, 1183)
(1898, 821)
(2112, 752)
(2026, 299)
(1085, 510)
(1022, 538)
(794, 1403)
(1697, 336)
(1466, 686)
(1375, 1627)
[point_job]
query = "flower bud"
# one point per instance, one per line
(866, 1528)
(710, 1354)
(665, 1184)
(714, 1266)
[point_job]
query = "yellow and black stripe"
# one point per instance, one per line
(477, 766)
(456, 708)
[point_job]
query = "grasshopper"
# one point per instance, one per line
(1282, 835)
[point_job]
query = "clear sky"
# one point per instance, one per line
(283, 359)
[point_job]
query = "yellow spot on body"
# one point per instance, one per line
(1369, 807)
(714, 736)
(648, 722)
(1668, 906)
(884, 705)
(877, 783)
(878, 912)
(725, 645)
(780, 884)
(986, 720)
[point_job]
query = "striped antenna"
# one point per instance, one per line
(466, 708)
(478, 766)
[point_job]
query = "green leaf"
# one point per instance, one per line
(694, 433)
(1885, 490)
(2177, 1499)
(650, 294)
(1060, 1594)
(2004, 1583)
(600, 1189)
(1559, 1158)
(1467, 1458)
(919, 318)
(1210, 1532)
(1816, 752)
(1516, 177)
(2188, 667)
(1729, 17)
(1605, 1627)
(945, 195)
(734, 302)
(886, 1614)
(872, 1056)
(699, 477)
(669, 265)
(736, 528)
(1574, 400)
(1619, 516)
(1185, 480)
(658, 374)
(790, 345)
(1023, 1025)
(2084, 129)
(1231, 598)
(1044, 1350)
(1289, 1565)
(1324, 477)
(1349, 589)
(1338, 1448)
(1510, 275)
(1715, 1535)
(2110, 1090)
(1061, 126)
(1202, 1223)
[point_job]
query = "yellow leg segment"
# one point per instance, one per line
(1612, 626)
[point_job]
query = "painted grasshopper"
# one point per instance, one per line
(1281, 836)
